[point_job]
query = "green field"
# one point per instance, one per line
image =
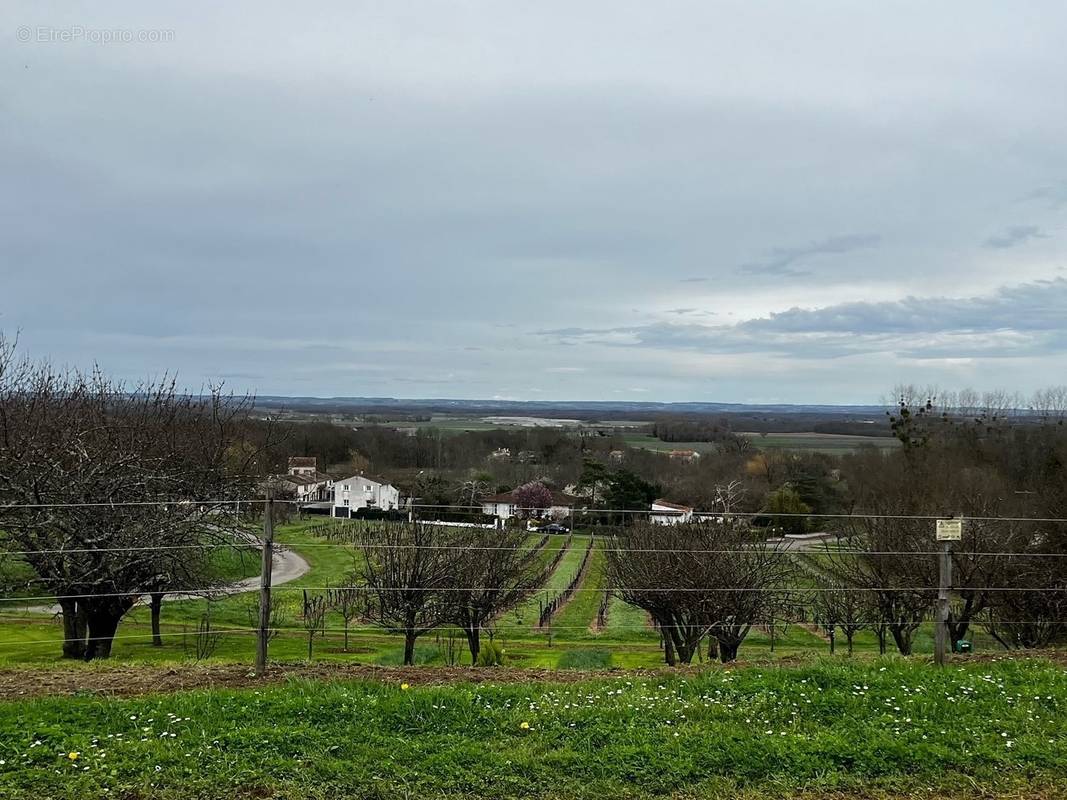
(887, 729)
(627, 640)
(830, 443)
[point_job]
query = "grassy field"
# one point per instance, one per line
(626, 641)
(831, 443)
(825, 729)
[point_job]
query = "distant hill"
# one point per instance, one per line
(606, 409)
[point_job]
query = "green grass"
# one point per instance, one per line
(585, 658)
(887, 729)
(576, 617)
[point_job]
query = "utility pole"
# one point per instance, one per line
(948, 531)
(263, 634)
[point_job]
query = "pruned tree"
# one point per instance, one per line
(408, 569)
(838, 606)
(313, 618)
(348, 601)
(114, 491)
(698, 580)
(498, 570)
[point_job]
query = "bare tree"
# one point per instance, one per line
(314, 618)
(498, 570)
(408, 569)
(698, 580)
(349, 602)
(837, 606)
(115, 491)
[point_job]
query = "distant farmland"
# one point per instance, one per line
(832, 443)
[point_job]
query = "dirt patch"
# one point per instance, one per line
(135, 680)
(130, 680)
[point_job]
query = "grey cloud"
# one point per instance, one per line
(1014, 320)
(782, 261)
(1053, 196)
(1013, 236)
(352, 209)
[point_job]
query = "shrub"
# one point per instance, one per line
(491, 654)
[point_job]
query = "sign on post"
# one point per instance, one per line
(949, 530)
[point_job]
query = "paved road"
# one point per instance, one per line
(286, 566)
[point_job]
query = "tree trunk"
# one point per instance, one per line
(156, 605)
(102, 624)
(902, 638)
(73, 628)
(833, 641)
(848, 637)
(713, 648)
(668, 650)
(346, 634)
(880, 631)
(474, 642)
(409, 647)
(728, 650)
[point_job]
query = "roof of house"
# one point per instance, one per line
(667, 504)
(558, 498)
(304, 461)
(364, 477)
(303, 479)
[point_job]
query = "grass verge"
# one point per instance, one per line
(890, 728)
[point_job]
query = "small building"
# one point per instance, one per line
(303, 465)
(685, 456)
(304, 480)
(664, 512)
(504, 506)
(363, 491)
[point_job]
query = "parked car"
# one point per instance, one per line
(554, 527)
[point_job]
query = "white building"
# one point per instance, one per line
(303, 465)
(504, 507)
(664, 512)
(362, 491)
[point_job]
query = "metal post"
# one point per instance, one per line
(263, 634)
(941, 637)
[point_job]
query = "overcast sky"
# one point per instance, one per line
(721, 201)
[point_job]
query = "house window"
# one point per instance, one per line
(346, 501)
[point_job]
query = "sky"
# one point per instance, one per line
(771, 202)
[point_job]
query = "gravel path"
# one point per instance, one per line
(286, 566)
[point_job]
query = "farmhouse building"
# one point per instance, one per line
(363, 491)
(504, 506)
(664, 512)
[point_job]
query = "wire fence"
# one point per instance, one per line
(610, 540)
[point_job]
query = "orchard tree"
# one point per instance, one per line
(116, 491)
(498, 569)
(408, 570)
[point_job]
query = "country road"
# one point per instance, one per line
(286, 566)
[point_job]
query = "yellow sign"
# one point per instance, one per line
(949, 530)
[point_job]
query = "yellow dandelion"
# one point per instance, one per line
(525, 726)
(404, 686)
(73, 756)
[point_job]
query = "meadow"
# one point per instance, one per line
(826, 728)
(571, 638)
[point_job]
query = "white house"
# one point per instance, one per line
(664, 512)
(504, 506)
(362, 491)
(303, 465)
